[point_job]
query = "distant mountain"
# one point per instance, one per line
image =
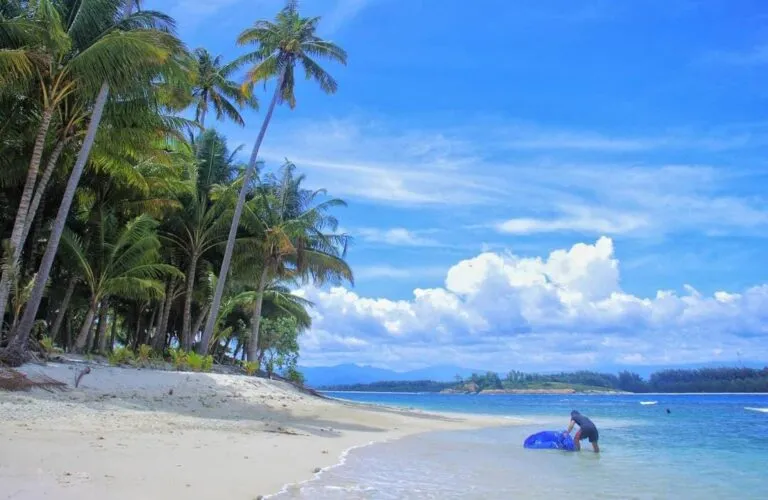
(318, 376)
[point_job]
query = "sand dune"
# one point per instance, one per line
(128, 433)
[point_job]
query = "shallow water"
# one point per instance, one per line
(709, 446)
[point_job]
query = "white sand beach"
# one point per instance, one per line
(137, 433)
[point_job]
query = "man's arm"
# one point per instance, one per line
(570, 426)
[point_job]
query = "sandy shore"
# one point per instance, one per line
(127, 434)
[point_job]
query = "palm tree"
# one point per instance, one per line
(124, 263)
(123, 55)
(296, 239)
(200, 225)
(280, 46)
(214, 87)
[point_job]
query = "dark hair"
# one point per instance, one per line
(574, 413)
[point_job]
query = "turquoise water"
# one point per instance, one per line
(709, 446)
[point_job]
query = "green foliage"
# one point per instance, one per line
(198, 363)
(121, 356)
(278, 339)
(179, 359)
(46, 343)
(295, 376)
(674, 381)
(250, 367)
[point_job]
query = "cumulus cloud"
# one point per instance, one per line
(565, 310)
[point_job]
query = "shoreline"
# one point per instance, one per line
(139, 433)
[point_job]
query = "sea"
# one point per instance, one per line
(706, 446)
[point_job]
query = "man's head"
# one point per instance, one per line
(574, 413)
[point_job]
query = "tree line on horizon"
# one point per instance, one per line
(670, 380)
(127, 225)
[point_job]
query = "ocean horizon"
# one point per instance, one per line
(707, 446)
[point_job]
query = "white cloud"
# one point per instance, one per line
(577, 219)
(387, 271)
(521, 191)
(565, 310)
(397, 236)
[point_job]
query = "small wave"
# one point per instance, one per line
(648, 403)
(761, 410)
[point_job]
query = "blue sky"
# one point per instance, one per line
(481, 137)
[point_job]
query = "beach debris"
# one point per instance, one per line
(82, 373)
(170, 391)
(317, 470)
(13, 381)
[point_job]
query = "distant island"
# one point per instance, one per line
(702, 380)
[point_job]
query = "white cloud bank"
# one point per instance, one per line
(501, 311)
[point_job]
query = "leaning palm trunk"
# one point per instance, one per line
(199, 321)
(216, 302)
(17, 233)
(41, 187)
(63, 308)
(82, 337)
(253, 342)
(16, 350)
(27, 320)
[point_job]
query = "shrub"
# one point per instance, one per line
(207, 363)
(194, 361)
(179, 359)
(144, 354)
(295, 376)
(251, 367)
(121, 356)
(47, 344)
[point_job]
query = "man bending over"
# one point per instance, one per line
(586, 430)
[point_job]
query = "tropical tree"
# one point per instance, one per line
(280, 45)
(111, 49)
(214, 87)
(200, 226)
(123, 262)
(295, 238)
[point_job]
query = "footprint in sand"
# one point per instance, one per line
(72, 478)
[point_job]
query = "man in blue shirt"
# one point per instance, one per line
(586, 430)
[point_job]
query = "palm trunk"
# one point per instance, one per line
(82, 337)
(144, 336)
(153, 340)
(63, 308)
(162, 332)
(186, 340)
(113, 333)
(216, 302)
(199, 323)
(21, 215)
(253, 342)
(101, 346)
(30, 312)
(18, 345)
(41, 187)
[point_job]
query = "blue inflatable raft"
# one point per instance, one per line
(549, 440)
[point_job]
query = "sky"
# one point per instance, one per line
(538, 184)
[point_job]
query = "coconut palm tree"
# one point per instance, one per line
(280, 45)
(201, 225)
(124, 53)
(295, 238)
(213, 87)
(124, 262)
